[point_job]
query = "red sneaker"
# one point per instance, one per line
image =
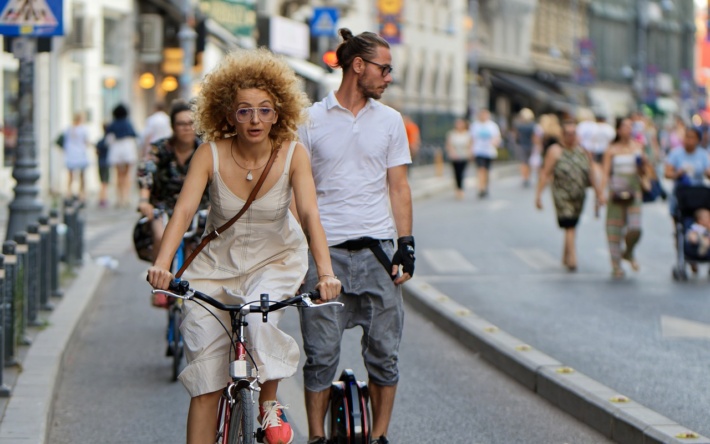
(276, 428)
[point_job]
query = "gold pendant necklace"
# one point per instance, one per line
(249, 177)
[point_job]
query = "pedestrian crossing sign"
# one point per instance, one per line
(31, 18)
(324, 22)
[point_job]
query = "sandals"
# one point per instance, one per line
(628, 258)
(618, 273)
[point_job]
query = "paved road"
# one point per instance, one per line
(645, 336)
(115, 388)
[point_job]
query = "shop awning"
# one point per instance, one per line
(532, 88)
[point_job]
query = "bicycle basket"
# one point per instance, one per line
(143, 240)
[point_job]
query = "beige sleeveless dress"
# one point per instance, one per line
(265, 251)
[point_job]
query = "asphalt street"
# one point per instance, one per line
(115, 384)
(645, 336)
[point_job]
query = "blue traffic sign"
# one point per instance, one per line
(324, 22)
(31, 18)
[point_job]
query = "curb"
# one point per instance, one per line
(28, 413)
(614, 415)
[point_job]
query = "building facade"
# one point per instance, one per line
(644, 51)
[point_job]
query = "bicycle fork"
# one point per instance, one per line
(242, 376)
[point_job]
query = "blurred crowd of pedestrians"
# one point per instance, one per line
(624, 161)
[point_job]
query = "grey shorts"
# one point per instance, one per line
(372, 301)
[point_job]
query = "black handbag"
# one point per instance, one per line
(143, 240)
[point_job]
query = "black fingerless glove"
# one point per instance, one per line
(404, 255)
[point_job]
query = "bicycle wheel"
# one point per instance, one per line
(241, 419)
(176, 342)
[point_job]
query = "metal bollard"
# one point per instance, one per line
(79, 221)
(44, 273)
(69, 221)
(8, 306)
(21, 288)
(54, 254)
(33, 273)
(4, 390)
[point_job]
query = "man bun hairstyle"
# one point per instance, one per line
(362, 45)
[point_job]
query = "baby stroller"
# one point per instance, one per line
(689, 199)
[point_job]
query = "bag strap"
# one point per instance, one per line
(381, 256)
(230, 222)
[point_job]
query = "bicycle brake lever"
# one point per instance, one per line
(187, 297)
(308, 303)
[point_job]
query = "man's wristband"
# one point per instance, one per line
(406, 240)
(143, 200)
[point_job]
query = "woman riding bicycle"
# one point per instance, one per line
(163, 171)
(249, 106)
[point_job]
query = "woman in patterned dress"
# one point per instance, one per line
(623, 165)
(568, 166)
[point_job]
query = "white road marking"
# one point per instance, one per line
(447, 261)
(536, 258)
(672, 327)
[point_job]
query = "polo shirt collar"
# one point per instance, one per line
(331, 102)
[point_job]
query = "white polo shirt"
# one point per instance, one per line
(350, 156)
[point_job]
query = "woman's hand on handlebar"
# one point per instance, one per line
(329, 288)
(159, 278)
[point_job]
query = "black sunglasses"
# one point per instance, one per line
(386, 69)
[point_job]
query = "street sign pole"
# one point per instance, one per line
(25, 207)
(26, 20)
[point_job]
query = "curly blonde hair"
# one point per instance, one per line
(245, 69)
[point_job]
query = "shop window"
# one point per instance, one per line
(113, 42)
(111, 97)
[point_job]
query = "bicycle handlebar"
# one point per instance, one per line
(181, 289)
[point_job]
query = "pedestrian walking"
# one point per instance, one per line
(458, 148)
(413, 136)
(122, 152)
(104, 168)
(157, 127)
(676, 135)
(525, 142)
(359, 153)
(486, 140)
(569, 167)
(247, 110)
(551, 131)
(76, 147)
(623, 169)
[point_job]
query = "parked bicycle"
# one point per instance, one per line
(235, 419)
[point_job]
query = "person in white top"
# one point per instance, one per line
(604, 136)
(157, 127)
(486, 139)
(76, 143)
(587, 130)
(359, 155)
